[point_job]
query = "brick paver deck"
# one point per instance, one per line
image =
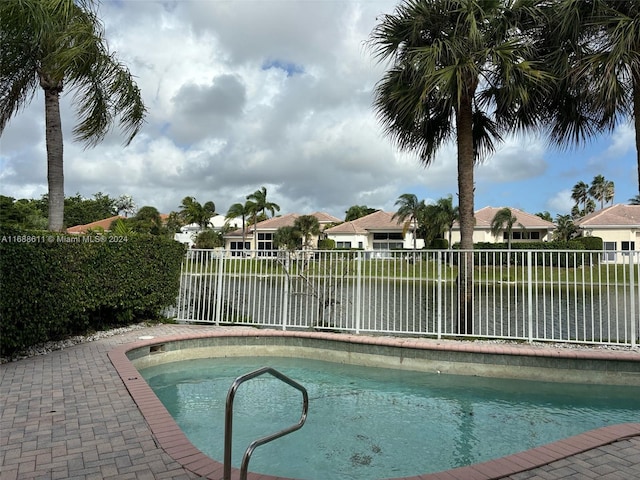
(68, 415)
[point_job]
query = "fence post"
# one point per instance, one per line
(358, 313)
(632, 297)
(530, 294)
(285, 290)
(439, 299)
(219, 287)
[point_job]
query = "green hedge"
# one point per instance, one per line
(55, 285)
(551, 256)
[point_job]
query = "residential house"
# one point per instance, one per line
(260, 238)
(377, 231)
(527, 227)
(619, 228)
(99, 226)
(188, 233)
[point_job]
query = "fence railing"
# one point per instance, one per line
(554, 296)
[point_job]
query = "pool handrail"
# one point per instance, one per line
(228, 423)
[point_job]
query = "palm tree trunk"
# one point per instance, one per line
(55, 170)
(636, 116)
(466, 157)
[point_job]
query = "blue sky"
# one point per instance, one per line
(278, 93)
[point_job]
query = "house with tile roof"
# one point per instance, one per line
(376, 231)
(619, 228)
(260, 238)
(100, 225)
(527, 228)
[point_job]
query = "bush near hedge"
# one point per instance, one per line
(52, 288)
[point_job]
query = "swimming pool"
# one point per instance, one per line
(377, 422)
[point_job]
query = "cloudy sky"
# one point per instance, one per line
(278, 93)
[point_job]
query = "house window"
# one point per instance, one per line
(388, 245)
(609, 254)
(236, 246)
(627, 246)
(343, 244)
(385, 241)
(522, 236)
(388, 236)
(265, 245)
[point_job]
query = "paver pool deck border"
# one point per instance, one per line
(74, 414)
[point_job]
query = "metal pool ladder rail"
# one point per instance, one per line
(228, 421)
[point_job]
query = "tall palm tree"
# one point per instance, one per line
(308, 226)
(57, 44)
(192, 211)
(242, 210)
(592, 46)
(462, 70)
(259, 197)
(410, 210)
(580, 194)
(601, 190)
(503, 221)
(260, 205)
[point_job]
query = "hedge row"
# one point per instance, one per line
(54, 285)
(554, 254)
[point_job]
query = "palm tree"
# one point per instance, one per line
(503, 220)
(287, 237)
(260, 205)
(545, 216)
(592, 47)
(580, 194)
(463, 70)
(57, 44)
(565, 228)
(243, 211)
(192, 211)
(601, 190)
(125, 203)
(259, 197)
(635, 200)
(447, 213)
(308, 226)
(410, 211)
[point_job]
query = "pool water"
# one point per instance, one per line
(375, 423)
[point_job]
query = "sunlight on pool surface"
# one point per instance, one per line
(374, 423)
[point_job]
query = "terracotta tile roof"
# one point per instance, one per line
(104, 224)
(485, 215)
(347, 228)
(283, 221)
(376, 221)
(619, 215)
(277, 222)
(324, 217)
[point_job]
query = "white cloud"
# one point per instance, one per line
(561, 202)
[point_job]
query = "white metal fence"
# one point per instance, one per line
(557, 296)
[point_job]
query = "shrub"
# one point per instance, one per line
(439, 244)
(590, 243)
(326, 244)
(57, 285)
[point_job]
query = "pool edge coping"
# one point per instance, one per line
(174, 442)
